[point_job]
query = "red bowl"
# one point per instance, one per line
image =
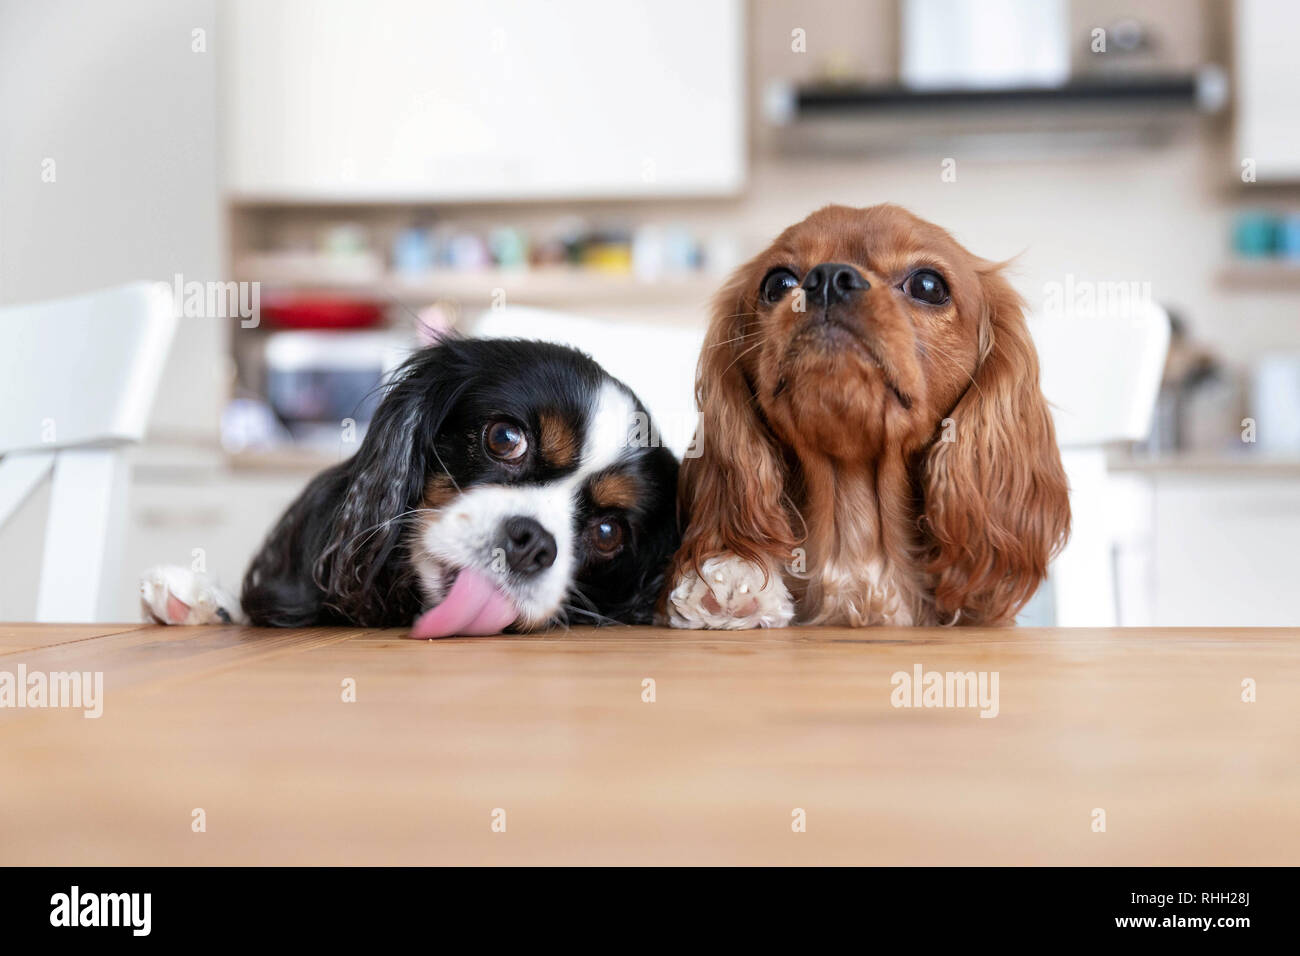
(323, 314)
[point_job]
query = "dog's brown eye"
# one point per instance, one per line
(776, 284)
(606, 536)
(505, 441)
(927, 286)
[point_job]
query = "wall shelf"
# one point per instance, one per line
(1262, 276)
(554, 286)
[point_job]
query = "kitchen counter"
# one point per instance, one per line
(1208, 463)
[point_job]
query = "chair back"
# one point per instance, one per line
(83, 370)
(1101, 375)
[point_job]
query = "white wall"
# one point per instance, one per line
(115, 96)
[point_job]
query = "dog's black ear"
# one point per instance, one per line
(628, 592)
(279, 590)
(641, 606)
(338, 554)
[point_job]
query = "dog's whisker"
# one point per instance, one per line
(932, 347)
(576, 592)
(366, 533)
(738, 338)
(752, 348)
(599, 618)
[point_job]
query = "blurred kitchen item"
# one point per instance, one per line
(1117, 48)
(1255, 234)
(682, 252)
(248, 424)
(413, 251)
(608, 252)
(648, 253)
(1211, 416)
(550, 250)
(509, 247)
(468, 251)
(1128, 36)
(324, 386)
(1190, 368)
(435, 322)
(312, 312)
(984, 44)
(440, 237)
(1288, 237)
(672, 251)
(345, 239)
(722, 254)
(1275, 404)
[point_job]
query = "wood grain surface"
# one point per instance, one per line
(745, 729)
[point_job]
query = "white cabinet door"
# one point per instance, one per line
(1268, 88)
(482, 99)
(1225, 551)
(211, 522)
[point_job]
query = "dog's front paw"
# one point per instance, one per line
(730, 596)
(172, 595)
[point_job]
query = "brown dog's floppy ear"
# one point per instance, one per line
(996, 501)
(732, 492)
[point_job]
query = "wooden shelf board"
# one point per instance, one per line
(1262, 276)
(521, 287)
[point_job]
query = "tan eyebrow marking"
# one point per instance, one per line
(440, 490)
(615, 490)
(559, 443)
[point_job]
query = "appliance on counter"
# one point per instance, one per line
(1275, 404)
(325, 386)
(1207, 407)
(1197, 407)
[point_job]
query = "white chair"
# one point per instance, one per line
(79, 378)
(1101, 376)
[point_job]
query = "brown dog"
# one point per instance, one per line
(874, 447)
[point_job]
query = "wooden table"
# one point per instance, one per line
(745, 729)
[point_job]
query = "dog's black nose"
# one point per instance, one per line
(529, 547)
(833, 282)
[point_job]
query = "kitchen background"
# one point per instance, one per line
(387, 168)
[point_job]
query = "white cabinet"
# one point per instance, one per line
(213, 522)
(1268, 94)
(1225, 549)
(400, 100)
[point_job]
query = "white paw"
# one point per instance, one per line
(172, 595)
(731, 596)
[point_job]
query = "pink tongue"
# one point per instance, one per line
(473, 606)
